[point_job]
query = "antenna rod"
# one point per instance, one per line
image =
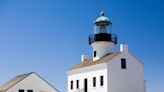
(102, 5)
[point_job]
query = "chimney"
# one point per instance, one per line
(84, 57)
(123, 48)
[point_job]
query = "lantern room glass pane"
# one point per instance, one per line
(102, 29)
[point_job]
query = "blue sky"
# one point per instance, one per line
(48, 36)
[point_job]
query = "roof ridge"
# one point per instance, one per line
(25, 74)
(14, 81)
(90, 62)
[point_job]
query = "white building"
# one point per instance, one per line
(30, 82)
(108, 70)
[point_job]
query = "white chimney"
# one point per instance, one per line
(84, 57)
(123, 48)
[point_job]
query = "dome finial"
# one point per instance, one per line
(102, 13)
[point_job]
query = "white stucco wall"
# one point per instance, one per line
(130, 79)
(89, 73)
(32, 82)
(102, 48)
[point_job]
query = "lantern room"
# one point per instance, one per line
(102, 30)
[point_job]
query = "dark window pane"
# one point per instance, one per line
(71, 84)
(123, 63)
(85, 85)
(29, 90)
(21, 90)
(94, 81)
(94, 53)
(101, 80)
(77, 84)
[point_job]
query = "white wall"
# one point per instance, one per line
(125, 80)
(102, 48)
(89, 73)
(32, 82)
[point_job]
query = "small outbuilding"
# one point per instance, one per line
(29, 82)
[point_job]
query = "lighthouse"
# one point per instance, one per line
(106, 70)
(103, 40)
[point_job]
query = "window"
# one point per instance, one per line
(94, 53)
(21, 90)
(94, 81)
(101, 80)
(77, 84)
(85, 85)
(123, 63)
(71, 84)
(29, 90)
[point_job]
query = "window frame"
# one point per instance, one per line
(123, 63)
(94, 81)
(101, 80)
(21, 90)
(71, 86)
(94, 53)
(77, 84)
(30, 90)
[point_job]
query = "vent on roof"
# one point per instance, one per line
(84, 57)
(123, 48)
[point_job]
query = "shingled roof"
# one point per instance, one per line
(13, 81)
(90, 62)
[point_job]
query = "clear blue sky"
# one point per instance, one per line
(48, 36)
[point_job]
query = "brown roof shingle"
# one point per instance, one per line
(90, 62)
(13, 81)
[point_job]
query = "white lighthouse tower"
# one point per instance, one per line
(107, 70)
(102, 41)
